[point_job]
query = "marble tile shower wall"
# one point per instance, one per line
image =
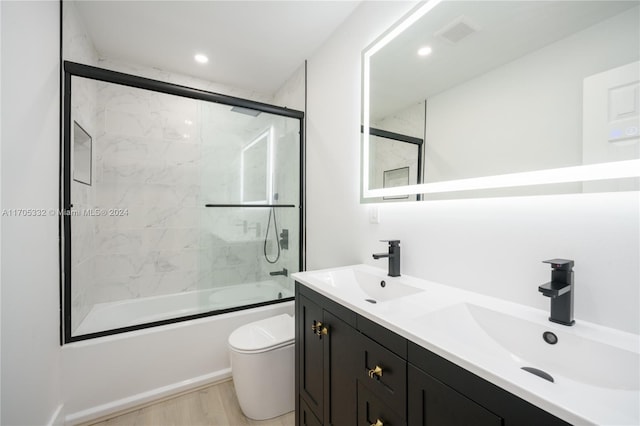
(162, 158)
(147, 160)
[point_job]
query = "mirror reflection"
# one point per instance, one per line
(513, 87)
(255, 170)
(395, 160)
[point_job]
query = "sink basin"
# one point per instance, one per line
(383, 289)
(360, 284)
(519, 342)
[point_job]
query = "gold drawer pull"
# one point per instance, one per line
(377, 423)
(375, 372)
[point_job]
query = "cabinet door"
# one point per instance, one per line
(310, 354)
(431, 402)
(306, 416)
(340, 379)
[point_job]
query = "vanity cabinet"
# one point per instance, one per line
(353, 371)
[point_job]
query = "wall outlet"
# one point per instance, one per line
(374, 214)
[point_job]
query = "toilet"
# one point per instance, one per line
(262, 366)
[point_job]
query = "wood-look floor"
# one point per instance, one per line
(216, 405)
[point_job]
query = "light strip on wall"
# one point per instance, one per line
(592, 172)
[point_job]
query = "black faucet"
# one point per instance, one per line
(283, 272)
(393, 255)
(560, 290)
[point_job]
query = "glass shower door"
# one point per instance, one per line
(179, 206)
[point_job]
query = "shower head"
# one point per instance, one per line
(246, 111)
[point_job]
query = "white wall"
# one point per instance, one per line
(493, 246)
(31, 378)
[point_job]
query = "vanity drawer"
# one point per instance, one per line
(387, 338)
(383, 373)
(372, 410)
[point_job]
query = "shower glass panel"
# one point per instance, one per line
(194, 208)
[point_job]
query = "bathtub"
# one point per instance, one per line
(115, 373)
(112, 315)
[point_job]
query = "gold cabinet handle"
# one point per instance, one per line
(377, 423)
(375, 372)
(318, 329)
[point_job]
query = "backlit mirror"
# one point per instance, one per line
(514, 94)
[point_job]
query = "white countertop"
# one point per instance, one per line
(595, 368)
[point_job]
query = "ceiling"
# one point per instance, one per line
(254, 45)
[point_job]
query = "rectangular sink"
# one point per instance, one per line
(521, 343)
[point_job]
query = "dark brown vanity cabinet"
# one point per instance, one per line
(353, 371)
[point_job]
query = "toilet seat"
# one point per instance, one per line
(263, 335)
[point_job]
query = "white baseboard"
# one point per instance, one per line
(134, 401)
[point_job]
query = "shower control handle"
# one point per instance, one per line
(284, 239)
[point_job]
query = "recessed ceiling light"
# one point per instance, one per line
(424, 51)
(200, 58)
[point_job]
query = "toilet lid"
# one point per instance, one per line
(263, 335)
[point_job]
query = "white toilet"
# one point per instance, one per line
(262, 365)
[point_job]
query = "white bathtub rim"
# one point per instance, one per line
(133, 401)
(98, 311)
(177, 324)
